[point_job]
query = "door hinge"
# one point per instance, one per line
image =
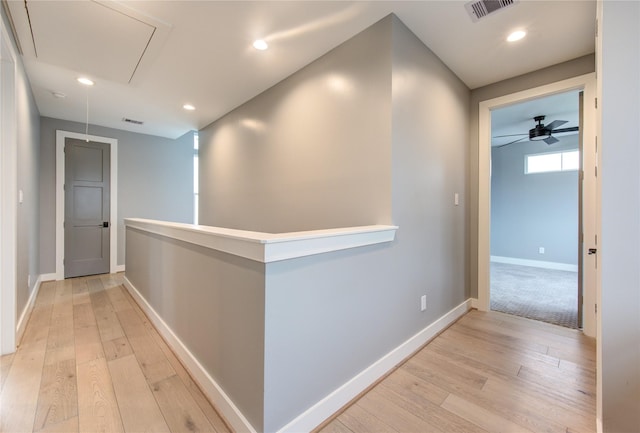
(596, 101)
(596, 308)
(596, 170)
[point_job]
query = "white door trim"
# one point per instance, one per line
(585, 82)
(113, 213)
(9, 194)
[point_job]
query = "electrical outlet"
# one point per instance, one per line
(541, 250)
(423, 302)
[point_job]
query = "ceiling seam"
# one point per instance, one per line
(142, 55)
(35, 48)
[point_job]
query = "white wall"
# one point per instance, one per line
(619, 307)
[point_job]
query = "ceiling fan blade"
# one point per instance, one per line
(553, 125)
(550, 140)
(510, 135)
(511, 142)
(571, 129)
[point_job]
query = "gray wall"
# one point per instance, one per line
(28, 141)
(552, 74)
(155, 180)
(430, 138)
(620, 252)
(529, 211)
(312, 152)
(328, 317)
(348, 140)
(213, 302)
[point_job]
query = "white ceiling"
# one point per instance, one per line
(148, 58)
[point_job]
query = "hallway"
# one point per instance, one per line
(90, 361)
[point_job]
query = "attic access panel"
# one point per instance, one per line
(89, 37)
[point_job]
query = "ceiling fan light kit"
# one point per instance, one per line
(540, 133)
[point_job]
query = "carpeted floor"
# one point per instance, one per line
(541, 294)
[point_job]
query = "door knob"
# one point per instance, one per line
(106, 225)
(592, 251)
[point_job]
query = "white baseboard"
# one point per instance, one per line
(119, 268)
(213, 391)
(535, 263)
(474, 302)
(26, 313)
(335, 401)
(48, 277)
(323, 409)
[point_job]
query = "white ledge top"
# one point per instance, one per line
(268, 247)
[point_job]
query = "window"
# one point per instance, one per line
(195, 178)
(549, 162)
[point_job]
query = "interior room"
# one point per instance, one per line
(535, 210)
(280, 217)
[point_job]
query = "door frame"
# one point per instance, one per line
(587, 83)
(9, 194)
(61, 136)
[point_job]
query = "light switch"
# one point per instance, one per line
(456, 199)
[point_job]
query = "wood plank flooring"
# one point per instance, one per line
(488, 372)
(90, 361)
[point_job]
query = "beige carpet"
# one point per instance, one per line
(541, 294)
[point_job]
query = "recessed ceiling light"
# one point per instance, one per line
(188, 107)
(59, 95)
(85, 81)
(516, 36)
(260, 44)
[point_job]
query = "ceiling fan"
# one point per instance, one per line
(541, 132)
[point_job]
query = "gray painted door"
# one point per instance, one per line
(86, 208)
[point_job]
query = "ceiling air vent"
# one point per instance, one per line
(482, 8)
(135, 122)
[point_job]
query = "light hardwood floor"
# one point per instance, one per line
(90, 361)
(488, 372)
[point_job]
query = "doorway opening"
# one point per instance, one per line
(535, 218)
(111, 211)
(587, 264)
